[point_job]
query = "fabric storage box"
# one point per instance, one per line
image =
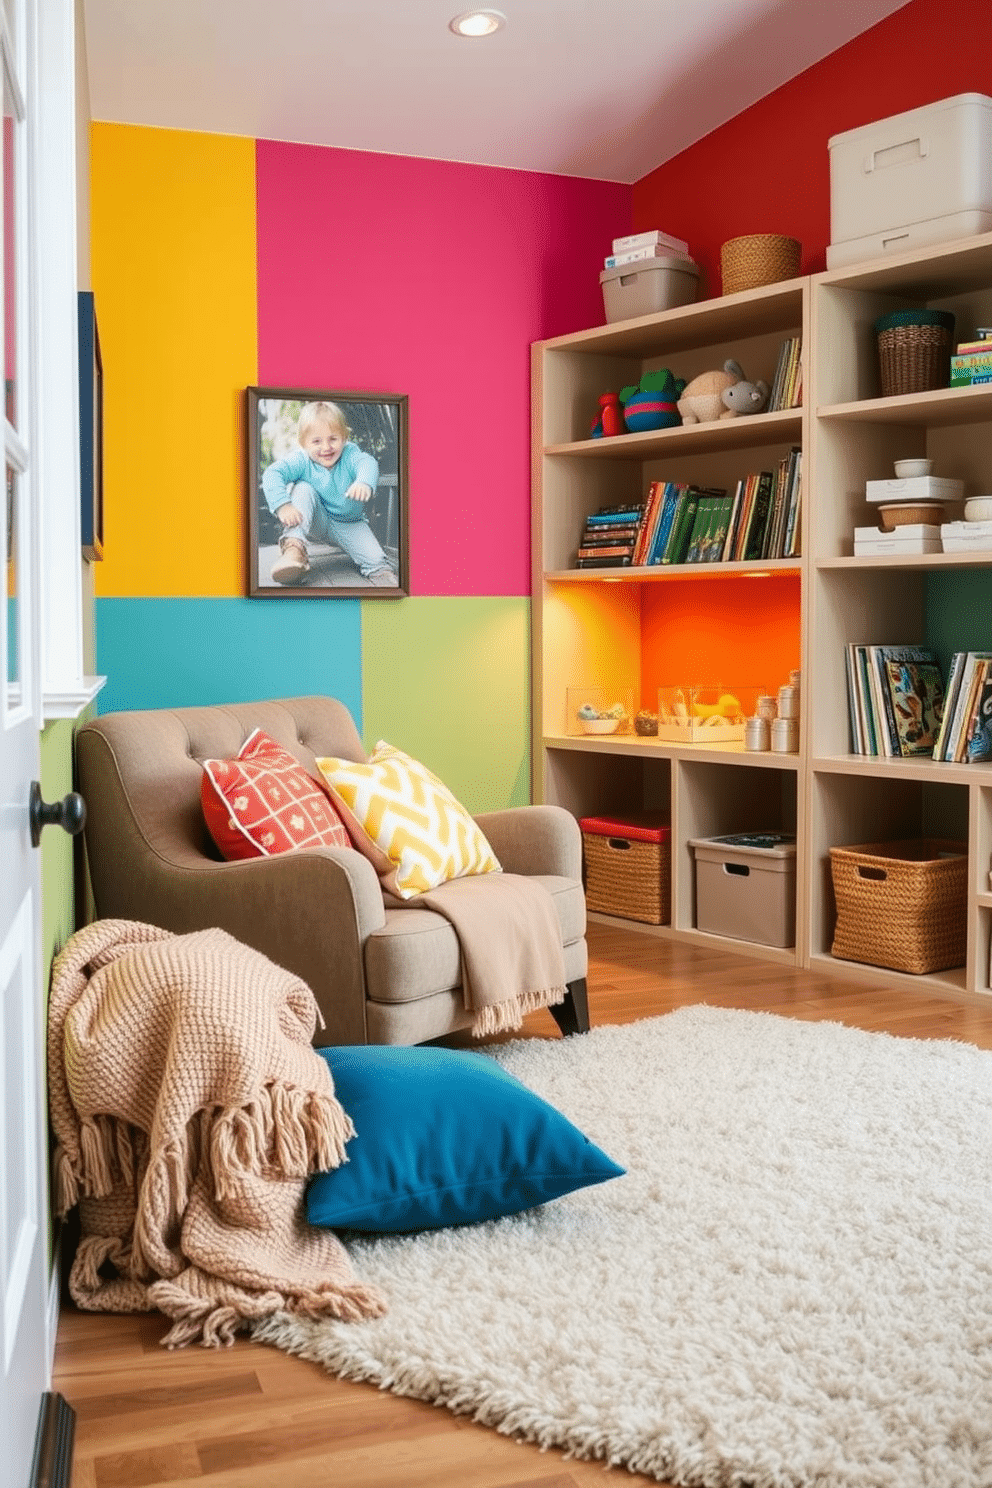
(901, 905)
(746, 886)
(647, 286)
(924, 176)
(628, 867)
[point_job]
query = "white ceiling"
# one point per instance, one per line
(607, 89)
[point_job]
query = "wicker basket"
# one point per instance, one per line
(914, 350)
(901, 905)
(628, 869)
(761, 258)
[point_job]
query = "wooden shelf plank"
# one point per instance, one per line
(940, 409)
(978, 559)
(661, 572)
(635, 746)
(692, 439)
(919, 768)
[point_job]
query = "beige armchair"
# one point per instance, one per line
(380, 975)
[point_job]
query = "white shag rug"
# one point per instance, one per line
(791, 1288)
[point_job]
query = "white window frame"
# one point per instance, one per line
(66, 689)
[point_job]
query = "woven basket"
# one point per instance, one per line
(914, 350)
(627, 878)
(901, 905)
(761, 258)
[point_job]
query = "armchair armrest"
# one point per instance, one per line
(535, 839)
(310, 912)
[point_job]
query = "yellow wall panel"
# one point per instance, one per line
(173, 253)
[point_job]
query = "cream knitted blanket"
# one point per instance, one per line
(189, 1108)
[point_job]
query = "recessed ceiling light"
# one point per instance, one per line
(477, 22)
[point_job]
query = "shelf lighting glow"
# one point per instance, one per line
(477, 22)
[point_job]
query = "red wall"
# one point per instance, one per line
(767, 171)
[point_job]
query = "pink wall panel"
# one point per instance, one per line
(392, 274)
(768, 170)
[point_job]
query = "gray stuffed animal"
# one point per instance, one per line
(744, 397)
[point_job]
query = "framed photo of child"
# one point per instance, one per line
(327, 494)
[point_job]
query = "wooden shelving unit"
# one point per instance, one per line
(586, 623)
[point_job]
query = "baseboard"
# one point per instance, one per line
(53, 1446)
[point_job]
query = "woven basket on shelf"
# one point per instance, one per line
(627, 877)
(914, 350)
(901, 905)
(760, 258)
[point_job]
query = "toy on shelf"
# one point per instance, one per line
(596, 710)
(610, 418)
(701, 714)
(745, 397)
(653, 402)
(702, 399)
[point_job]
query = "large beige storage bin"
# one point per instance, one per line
(924, 176)
(746, 886)
(647, 286)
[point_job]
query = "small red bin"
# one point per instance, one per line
(628, 867)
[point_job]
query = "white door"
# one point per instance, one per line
(23, 1197)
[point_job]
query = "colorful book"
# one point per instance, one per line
(950, 701)
(755, 536)
(682, 527)
(664, 529)
(700, 529)
(978, 746)
(655, 496)
(917, 692)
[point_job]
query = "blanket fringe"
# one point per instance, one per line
(215, 1323)
(285, 1132)
(506, 1017)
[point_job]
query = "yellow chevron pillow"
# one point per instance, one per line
(406, 821)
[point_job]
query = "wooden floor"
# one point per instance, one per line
(252, 1417)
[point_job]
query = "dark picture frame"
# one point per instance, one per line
(377, 425)
(90, 428)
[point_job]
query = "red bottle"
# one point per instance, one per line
(611, 414)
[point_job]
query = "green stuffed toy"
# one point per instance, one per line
(652, 403)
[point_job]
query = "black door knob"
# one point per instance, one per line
(69, 813)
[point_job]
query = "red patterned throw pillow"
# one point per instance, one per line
(265, 802)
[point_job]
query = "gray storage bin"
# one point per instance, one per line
(746, 886)
(647, 286)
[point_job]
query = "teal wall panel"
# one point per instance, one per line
(170, 653)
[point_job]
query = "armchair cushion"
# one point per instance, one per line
(406, 821)
(444, 1137)
(264, 802)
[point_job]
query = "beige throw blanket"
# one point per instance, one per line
(189, 1108)
(510, 941)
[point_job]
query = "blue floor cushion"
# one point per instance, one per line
(444, 1137)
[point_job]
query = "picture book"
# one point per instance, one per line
(979, 743)
(917, 692)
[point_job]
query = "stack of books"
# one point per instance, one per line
(640, 246)
(610, 536)
(965, 735)
(787, 385)
(896, 700)
(765, 519)
(972, 361)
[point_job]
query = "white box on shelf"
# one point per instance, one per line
(916, 488)
(915, 537)
(924, 176)
(645, 288)
(966, 537)
(705, 713)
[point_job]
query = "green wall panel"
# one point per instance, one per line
(958, 611)
(57, 847)
(447, 680)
